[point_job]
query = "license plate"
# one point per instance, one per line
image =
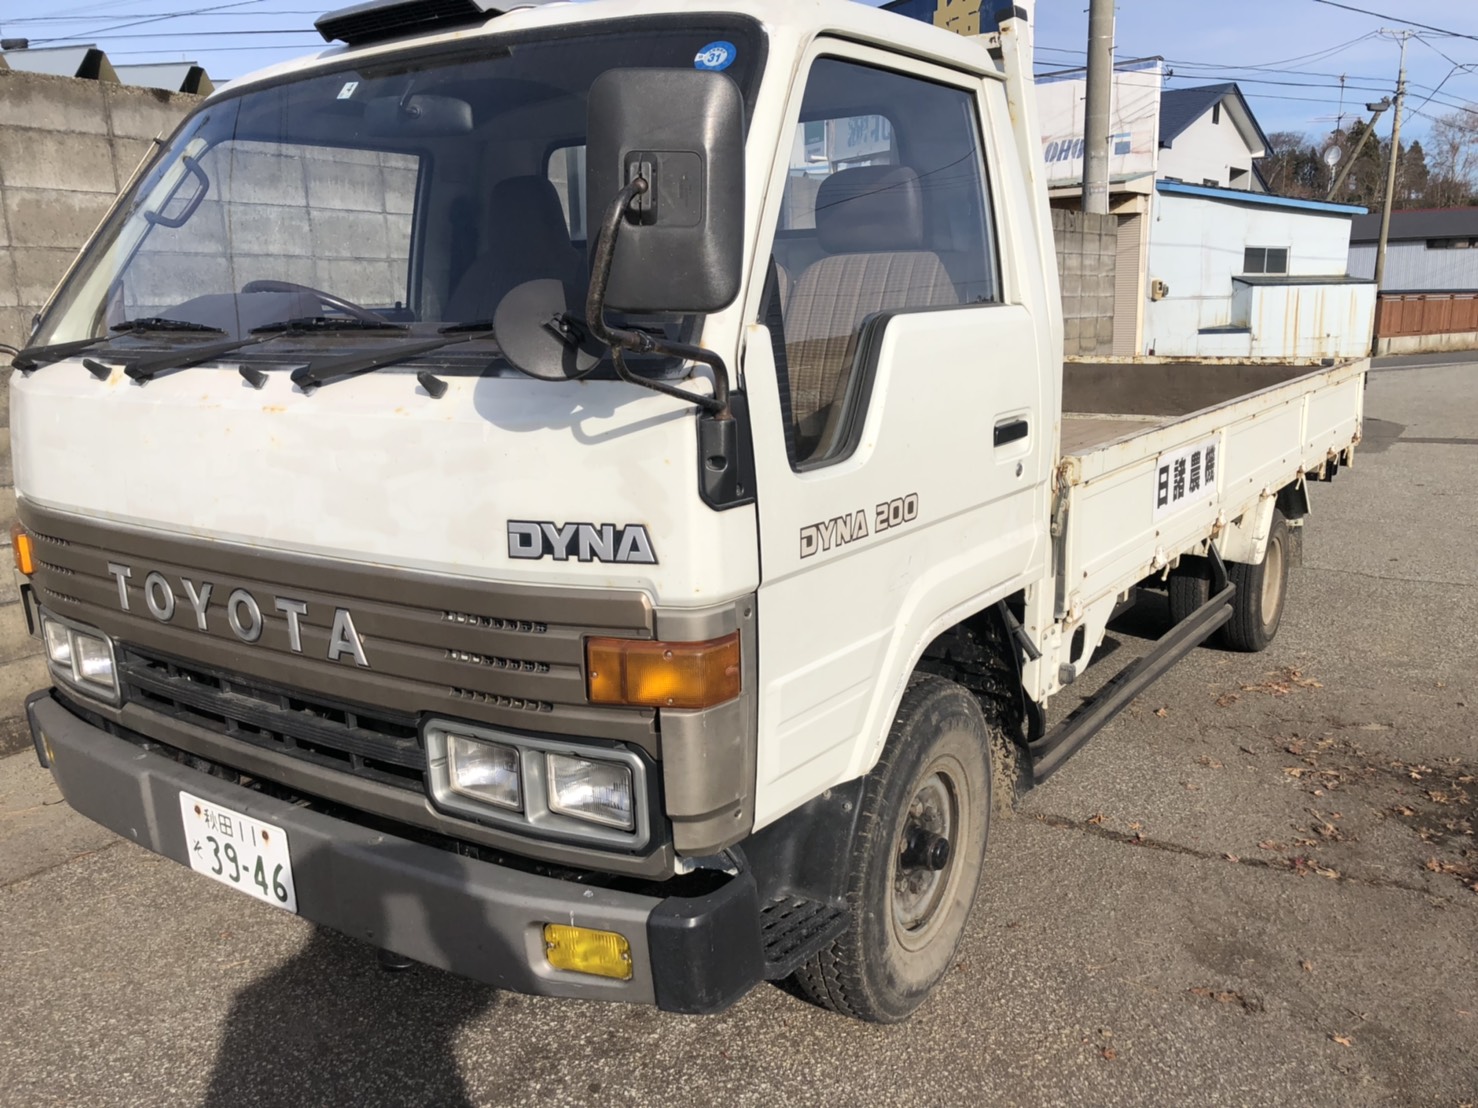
(236, 850)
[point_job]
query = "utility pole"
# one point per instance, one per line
(1385, 215)
(1096, 106)
(1376, 110)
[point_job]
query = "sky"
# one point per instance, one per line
(1287, 55)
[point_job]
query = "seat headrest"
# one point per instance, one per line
(529, 208)
(870, 209)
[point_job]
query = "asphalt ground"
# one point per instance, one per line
(1254, 888)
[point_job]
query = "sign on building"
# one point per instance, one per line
(1134, 124)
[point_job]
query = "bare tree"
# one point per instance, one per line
(1452, 158)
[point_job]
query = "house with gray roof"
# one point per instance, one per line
(1209, 137)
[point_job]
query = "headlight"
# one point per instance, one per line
(597, 794)
(58, 643)
(80, 656)
(485, 771)
(93, 660)
(597, 791)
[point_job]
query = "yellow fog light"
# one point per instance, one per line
(584, 950)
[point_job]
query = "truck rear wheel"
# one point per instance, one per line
(1262, 591)
(1189, 587)
(917, 859)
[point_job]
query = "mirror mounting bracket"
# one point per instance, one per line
(621, 341)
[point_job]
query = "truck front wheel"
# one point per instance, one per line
(916, 861)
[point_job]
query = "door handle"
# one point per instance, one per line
(1011, 430)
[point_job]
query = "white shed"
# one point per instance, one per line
(1243, 274)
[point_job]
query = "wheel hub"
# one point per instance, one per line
(924, 856)
(1272, 582)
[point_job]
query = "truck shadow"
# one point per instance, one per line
(329, 1026)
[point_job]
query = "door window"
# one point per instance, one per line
(885, 210)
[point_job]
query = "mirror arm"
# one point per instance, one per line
(620, 341)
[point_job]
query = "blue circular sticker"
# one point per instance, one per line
(716, 56)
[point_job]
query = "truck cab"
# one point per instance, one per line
(547, 488)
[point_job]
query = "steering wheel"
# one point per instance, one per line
(328, 299)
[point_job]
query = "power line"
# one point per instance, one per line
(1397, 19)
(30, 19)
(179, 34)
(160, 18)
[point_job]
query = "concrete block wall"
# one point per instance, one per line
(1087, 260)
(66, 147)
(337, 220)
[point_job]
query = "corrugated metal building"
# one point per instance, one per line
(1429, 295)
(1434, 250)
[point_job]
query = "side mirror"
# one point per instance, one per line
(682, 240)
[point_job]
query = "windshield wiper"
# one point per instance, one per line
(311, 376)
(325, 324)
(34, 357)
(160, 323)
(473, 325)
(146, 369)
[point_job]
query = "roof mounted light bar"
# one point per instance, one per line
(378, 20)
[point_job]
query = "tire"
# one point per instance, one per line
(1189, 587)
(905, 917)
(1262, 592)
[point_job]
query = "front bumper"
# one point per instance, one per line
(474, 918)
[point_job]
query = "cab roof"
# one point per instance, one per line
(381, 27)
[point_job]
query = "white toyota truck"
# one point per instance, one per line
(589, 496)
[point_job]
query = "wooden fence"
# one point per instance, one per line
(1426, 313)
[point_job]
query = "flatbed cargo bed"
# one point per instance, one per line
(1105, 402)
(1160, 458)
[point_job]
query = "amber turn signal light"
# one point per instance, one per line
(647, 674)
(23, 549)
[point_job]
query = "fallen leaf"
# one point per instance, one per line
(1269, 844)
(1096, 818)
(1306, 966)
(1343, 1040)
(1226, 700)
(1191, 786)
(1135, 826)
(1206, 760)
(1227, 996)
(1230, 857)
(1403, 810)
(1108, 1053)
(1162, 712)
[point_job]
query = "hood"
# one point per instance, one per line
(503, 479)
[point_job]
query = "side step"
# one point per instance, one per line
(1054, 748)
(793, 929)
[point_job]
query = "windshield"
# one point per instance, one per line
(417, 191)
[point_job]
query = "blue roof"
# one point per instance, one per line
(1240, 196)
